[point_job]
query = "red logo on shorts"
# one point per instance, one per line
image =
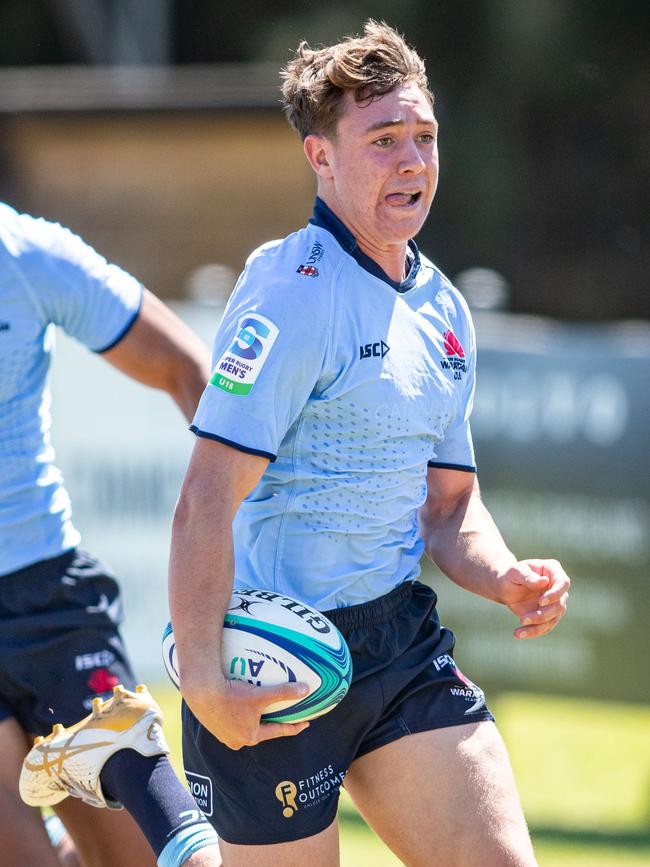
(102, 680)
(453, 345)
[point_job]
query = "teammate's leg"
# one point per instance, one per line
(444, 798)
(23, 838)
(62, 842)
(103, 838)
(91, 827)
(117, 755)
(319, 850)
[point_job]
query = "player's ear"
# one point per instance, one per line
(317, 149)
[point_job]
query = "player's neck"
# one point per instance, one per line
(391, 259)
(390, 256)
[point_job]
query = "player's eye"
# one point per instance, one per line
(427, 138)
(384, 142)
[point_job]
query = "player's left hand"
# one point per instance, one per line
(536, 591)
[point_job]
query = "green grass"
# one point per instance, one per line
(579, 764)
(583, 770)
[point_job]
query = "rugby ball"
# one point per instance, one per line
(270, 639)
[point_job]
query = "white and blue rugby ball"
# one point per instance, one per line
(270, 639)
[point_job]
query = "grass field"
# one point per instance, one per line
(583, 770)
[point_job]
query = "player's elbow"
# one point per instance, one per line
(186, 381)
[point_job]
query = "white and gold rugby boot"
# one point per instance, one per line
(69, 760)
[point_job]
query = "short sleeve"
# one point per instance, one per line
(456, 451)
(268, 355)
(73, 286)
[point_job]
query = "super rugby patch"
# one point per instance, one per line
(238, 368)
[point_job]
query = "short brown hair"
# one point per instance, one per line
(315, 81)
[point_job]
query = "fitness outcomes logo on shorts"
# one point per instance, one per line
(238, 368)
(309, 791)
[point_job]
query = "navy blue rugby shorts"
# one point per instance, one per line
(59, 641)
(405, 681)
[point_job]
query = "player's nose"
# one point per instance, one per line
(411, 160)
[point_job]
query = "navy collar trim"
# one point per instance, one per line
(325, 217)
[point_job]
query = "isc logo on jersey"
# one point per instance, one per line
(238, 368)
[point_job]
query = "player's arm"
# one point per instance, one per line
(462, 539)
(200, 584)
(161, 351)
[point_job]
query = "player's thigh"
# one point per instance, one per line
(23, 839)
(319, 850)
(444, 798)
(105, 838)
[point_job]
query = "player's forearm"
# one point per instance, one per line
(467, 546)
(200, 585)
(201, 566)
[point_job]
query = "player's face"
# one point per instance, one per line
(384, 165)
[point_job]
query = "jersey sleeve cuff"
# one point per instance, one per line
(126, 328)
(247, 449)
(438, 465)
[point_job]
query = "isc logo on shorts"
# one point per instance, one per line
(100, 659)
(201, 789)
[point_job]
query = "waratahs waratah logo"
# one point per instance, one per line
(455, 360)
(453, 345)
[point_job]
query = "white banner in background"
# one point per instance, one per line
(123, 449)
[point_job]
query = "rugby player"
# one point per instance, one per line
(333, 450)
(59, 604)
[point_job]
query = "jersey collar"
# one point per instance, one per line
(325, 217)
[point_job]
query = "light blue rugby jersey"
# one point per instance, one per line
(350, 384)
(48, 277)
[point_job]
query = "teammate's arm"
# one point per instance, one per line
(201, 571)
(462, 539)
(160, 350)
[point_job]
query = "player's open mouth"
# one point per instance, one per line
(402, 200)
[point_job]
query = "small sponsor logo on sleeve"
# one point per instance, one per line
(238, 368)
(308, 268)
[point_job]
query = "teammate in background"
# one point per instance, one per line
(60, 648)
(334, 447)
(61, 841)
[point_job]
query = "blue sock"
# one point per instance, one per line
(160, 804)
(55, 829)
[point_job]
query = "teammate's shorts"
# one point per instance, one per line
(404, 681)
(59, 641)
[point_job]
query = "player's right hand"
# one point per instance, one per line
(232, 711)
